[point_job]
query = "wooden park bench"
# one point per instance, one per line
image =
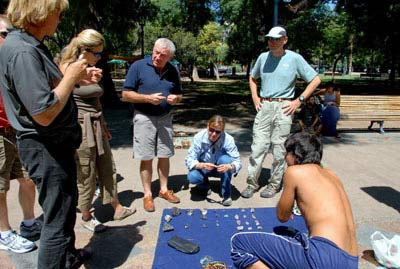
(373, 108)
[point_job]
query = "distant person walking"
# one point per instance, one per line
(94, 154)
(278, 69)
(154, 86)
(213, 154)
(11, 168)
(39, 105)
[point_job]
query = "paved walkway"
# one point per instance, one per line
(366, 162)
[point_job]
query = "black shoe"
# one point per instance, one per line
(79, 257)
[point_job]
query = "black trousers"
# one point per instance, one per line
(52, 167)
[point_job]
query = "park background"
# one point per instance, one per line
(344, 40)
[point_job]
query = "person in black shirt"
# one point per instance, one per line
(39, 105)
(309, 116)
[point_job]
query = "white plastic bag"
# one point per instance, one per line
(387, 251)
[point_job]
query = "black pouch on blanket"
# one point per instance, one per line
(183, 245)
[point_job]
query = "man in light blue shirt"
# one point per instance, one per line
(278, 69)
(213, 153)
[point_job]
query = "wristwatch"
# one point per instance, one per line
(301, 98)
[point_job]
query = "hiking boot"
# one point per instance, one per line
(248, 192)
(169, 196)
(227, 201)
(94, 225)
(32, 231)
(16, 243)
(269, 192)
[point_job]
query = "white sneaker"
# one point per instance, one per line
(94, 225)
(16, 243)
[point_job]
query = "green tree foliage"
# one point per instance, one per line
(211, 47)
(378, 22)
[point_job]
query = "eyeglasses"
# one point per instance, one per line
(274, 39)
(3, 34)
(212, 130)
(95, 54)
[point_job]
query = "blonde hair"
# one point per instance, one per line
(86, 39)
(4, 21)
(24, 13)
(217, 120)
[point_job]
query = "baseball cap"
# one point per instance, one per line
(276, 32)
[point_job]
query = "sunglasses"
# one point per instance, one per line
(274, 39)
(3, 34)
(95, 54)
(212, 130)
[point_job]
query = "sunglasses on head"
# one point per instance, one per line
(273, 39)
(212, 130)
(95, 54)
(3, 34)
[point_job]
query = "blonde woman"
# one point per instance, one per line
(40, 107)
(94, 154)
(213, 153)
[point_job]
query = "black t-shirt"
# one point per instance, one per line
(308, 114)
(28, 76)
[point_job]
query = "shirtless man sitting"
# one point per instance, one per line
(331, 242)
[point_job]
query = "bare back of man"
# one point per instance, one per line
(323, 202)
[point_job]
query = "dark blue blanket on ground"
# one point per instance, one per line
(213, 235)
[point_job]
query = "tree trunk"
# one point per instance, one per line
(334, 66)
(195, 73)
(109, 99)
(248, 69)
(351, 54)
(215, 67)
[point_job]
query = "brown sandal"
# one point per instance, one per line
(124, 213)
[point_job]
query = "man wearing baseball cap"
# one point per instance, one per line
(275, 104)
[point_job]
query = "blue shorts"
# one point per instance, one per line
(283, 251)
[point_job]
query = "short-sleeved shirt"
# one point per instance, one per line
(28, 76)
(144, 78)
(279, 74)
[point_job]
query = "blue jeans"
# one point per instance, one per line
(52, 167)
(200, 176)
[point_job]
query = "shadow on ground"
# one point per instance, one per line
(386, 195)
(113, 247)
(175, 183)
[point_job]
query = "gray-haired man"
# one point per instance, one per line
(154, 86)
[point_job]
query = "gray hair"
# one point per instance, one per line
(166, 43)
